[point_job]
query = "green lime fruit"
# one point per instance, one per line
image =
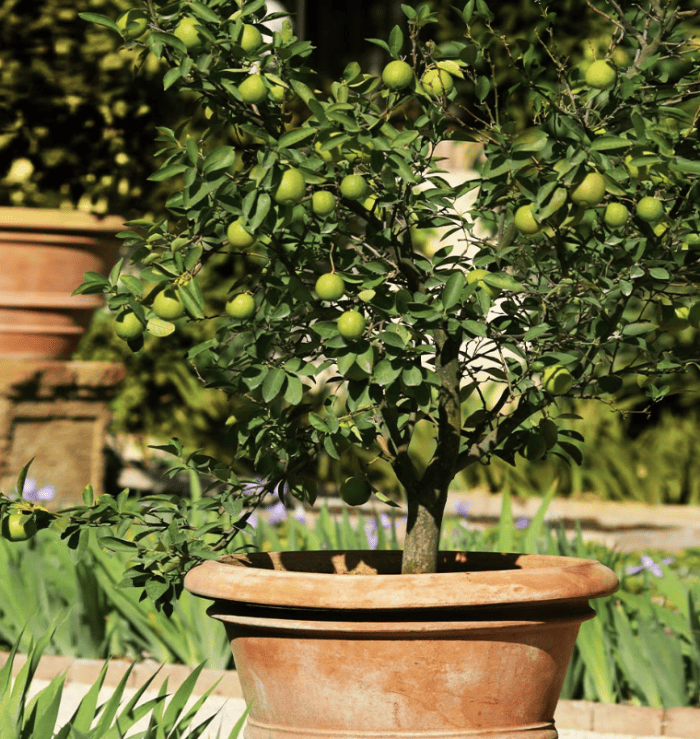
(242, 306)
(601, 75)
(291, 189)
(354, 187)
(535, 447)
(351, 325)
(277, 93)
(238, 237)
(18, 526)
(330, 286)
(650, 209)
(549, 431)
(128, 326)
(323, 203)
(167, 305)
(616, 215)
(397, 75)
(477, 276)
(524, 221)
(557, 380)
(355, 491)
(590, 191)
(694, 315)
(186, 31)
(251, 39)
(253, 89)
(437, 82)
(133, 23)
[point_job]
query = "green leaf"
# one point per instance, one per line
(639, 328)
(160, 328)
(221, 158)
(171, 77)
(659, 273)
(101, 20)
(503, 281)
(172, 170)
(295, 136)
(118, 545)
(452, 292)
(395, 41)
(380, 43)
(482, 87)
(272, 384)
(610, 143)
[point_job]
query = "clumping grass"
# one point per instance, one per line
(652, 621)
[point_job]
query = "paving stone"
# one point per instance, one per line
(574, 715)
(683, 723)
(631, 720)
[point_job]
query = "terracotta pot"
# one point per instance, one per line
(44, 254)
(340, 645)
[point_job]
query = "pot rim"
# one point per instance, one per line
(57, 219)
(494, 579)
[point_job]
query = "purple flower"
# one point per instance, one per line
(370, 533)
(385, 521)
(649, 564)
(30, 492)
(522, 523)
(462, 507)
(252, 520)
(276, 513)
(300, 516)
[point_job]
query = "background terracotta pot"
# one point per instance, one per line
(338, 644)
(44, 254)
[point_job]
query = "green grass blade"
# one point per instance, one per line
(534, 531)
(42, 711)
(506, 527)
(591, 645)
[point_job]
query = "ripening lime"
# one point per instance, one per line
(253, 89)
(437, 82)
(616, 215)
(330, 286)
(557, 380)
(650, 209)
(251, 39)
(291, 189)
(355, 491)
(351, 325)
(18, 526)
(133, 23)
(168, 306)
(242, 306)
(323, 203)
(127, 325)
(354, 187)
(238, 237)
(186, 31)
(524, 221)
(590, 191)
(397, 75)
(601, 75)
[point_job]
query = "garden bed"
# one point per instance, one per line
(679, 723)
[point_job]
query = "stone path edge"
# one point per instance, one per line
(679, 723)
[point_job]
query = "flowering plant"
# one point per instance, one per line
(560, 268)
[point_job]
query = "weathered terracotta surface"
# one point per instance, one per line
(482, 653)
(44, 255)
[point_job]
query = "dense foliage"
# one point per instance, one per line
(560, 267)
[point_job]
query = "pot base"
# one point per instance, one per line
(258, 730)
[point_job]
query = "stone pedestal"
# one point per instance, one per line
(56, 412)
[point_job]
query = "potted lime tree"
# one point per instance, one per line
(576, 253)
